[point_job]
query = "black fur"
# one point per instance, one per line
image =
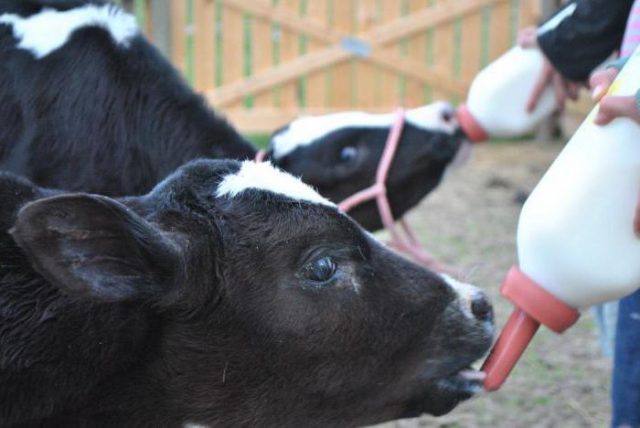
(97, 117)
(208, 316)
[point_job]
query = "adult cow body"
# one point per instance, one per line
(89, 104)
(231, 295)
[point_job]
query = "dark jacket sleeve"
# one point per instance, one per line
(587, 37)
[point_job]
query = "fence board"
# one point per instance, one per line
(204, 30)
(415, 47)
(178, 32)
(366, 15)
(288, 52)
(316, 81)
(390, 12)
(471, 39)
(342, 21)
(262, 52)
(263, 62)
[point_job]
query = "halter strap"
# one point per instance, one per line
(260, 156)
(408, 244)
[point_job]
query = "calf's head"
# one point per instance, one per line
(270, 306)
(339, 154)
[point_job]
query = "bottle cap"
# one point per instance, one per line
(533, 306)
(470, 125)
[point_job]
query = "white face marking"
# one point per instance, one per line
(466, 293)
(44, 32)
(264, 176)
(305, 130)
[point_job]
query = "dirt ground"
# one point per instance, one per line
(470, 221)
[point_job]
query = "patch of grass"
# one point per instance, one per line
(259, 140)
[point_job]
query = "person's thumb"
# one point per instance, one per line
(612, 107)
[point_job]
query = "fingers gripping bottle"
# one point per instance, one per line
(497, 99)
(576, 243)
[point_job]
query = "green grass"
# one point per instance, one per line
(259, 140)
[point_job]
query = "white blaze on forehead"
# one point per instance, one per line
(466, 293)
(264, 176)
(305, 130)
(48, 30)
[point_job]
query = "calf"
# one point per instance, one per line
(89, 105)
(339, 153)
(230, 295)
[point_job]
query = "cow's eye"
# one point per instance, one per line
(348, 154)
(320, 270)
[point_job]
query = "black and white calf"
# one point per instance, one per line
(346, 148)
(230, 295)
(88, 104)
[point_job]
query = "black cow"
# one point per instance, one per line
(230, 295)
(89, 105)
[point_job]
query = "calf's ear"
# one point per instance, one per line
(93, 246)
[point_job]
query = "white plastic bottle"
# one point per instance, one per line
(576, 243)
(497, 99)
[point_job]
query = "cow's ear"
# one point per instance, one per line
(93, 246)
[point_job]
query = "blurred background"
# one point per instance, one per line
(264, 62)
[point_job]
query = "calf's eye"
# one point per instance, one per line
(320, 270)
(348, 154)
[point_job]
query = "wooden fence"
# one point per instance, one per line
(264, 62)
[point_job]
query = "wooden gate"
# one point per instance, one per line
(264, 62)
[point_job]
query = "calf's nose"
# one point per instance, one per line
(481, 307)
(473, 301)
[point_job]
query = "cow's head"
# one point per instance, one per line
(338, 154)
(270, 307)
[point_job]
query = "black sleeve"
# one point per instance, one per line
(587, 37)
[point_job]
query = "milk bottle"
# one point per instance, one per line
(497, 98)
(575, 239)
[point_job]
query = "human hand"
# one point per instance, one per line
(636, 219)
(562, 87)
(600, 82)
(528, 37)
(612, 106)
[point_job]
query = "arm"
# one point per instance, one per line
(586, 38)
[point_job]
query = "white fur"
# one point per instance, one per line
(264, 176)
(305, 130)
(48, 30)
(466, 293)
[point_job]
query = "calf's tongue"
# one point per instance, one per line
(471, 374)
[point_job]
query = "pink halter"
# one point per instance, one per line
(409, 243)
(260, 156)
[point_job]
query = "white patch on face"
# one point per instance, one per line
(44, 32)
(466, 293)
(305, 130)
(264, 176)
